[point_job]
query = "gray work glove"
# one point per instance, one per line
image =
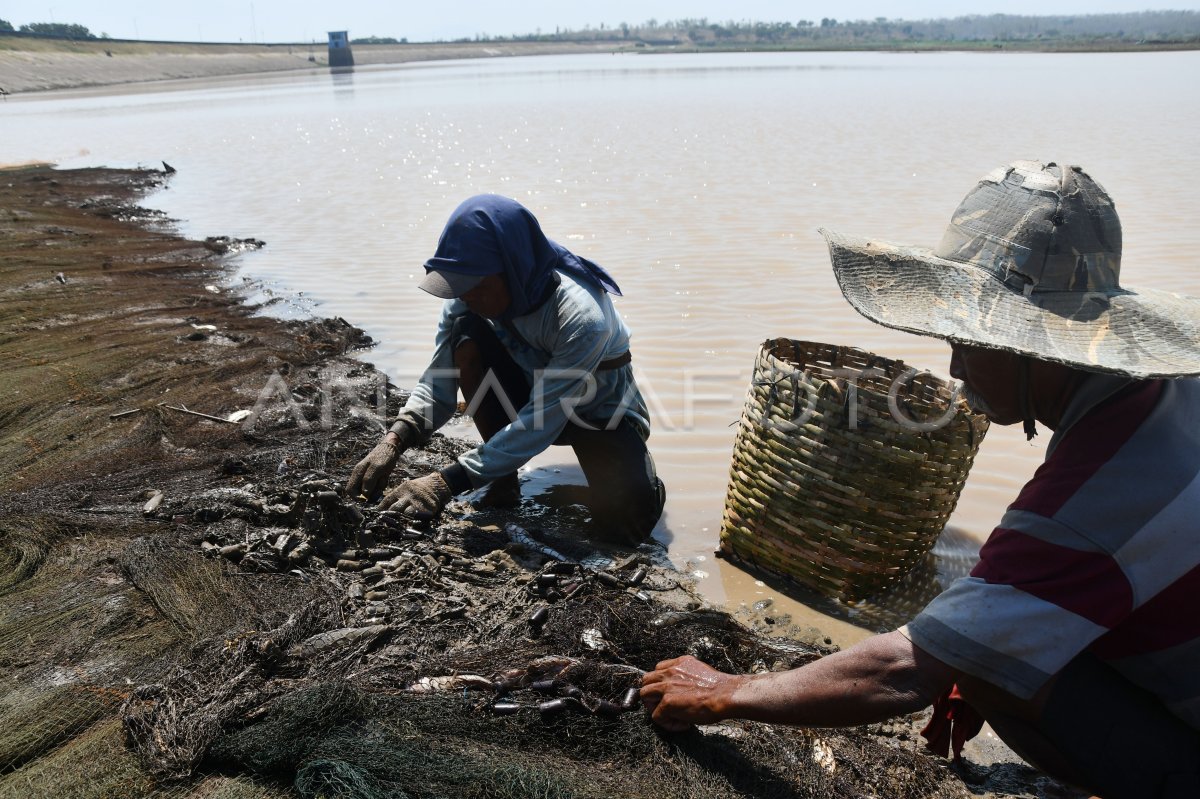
(422, 498)
(370, 476)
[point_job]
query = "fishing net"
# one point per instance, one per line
(191, 609)
(464, 660)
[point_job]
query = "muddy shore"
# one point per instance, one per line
(175, 589)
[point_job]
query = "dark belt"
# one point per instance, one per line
(615, 363)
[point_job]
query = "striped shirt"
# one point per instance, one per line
(1100, 552)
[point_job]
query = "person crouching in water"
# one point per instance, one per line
(530, 336)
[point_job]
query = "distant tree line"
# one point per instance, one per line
(58, 29)
(379, 40)
(1140, 26)
(1157, 26)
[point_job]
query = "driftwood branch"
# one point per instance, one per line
(181, 409)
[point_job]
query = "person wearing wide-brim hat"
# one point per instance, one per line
(1076, 636)
(530, 336)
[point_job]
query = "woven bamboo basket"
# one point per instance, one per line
(846, 467)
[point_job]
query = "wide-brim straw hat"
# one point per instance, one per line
(1029, 264)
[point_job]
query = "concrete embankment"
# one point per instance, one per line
(28, 64)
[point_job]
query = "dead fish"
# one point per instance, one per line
(823, 756)
(671, 618)
(594, 639)
(791, 651)
(543, 668)
(709, 618)
(457, 682)
(152, 504)
(551, 663)
(518, 536)
(338, 638)
(301, 553)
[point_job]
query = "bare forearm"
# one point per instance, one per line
(879, 678)
(875, 680)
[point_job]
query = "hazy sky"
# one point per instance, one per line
(305, 20)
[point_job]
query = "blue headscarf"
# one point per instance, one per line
(489, 234)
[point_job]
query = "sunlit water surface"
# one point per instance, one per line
(698, 180)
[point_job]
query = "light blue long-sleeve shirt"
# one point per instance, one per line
(560, 344)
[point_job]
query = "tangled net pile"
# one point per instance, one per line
(336, 651)
(464, 661)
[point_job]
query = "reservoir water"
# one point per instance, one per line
(699, 181)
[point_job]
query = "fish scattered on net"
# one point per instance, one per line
(466, 661)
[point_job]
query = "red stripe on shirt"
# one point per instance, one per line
(1167, 620)
(1086, 447)
(1088, 584)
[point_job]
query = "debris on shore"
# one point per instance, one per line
(191, 607)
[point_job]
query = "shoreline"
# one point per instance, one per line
(153, 559)
(30, 65)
